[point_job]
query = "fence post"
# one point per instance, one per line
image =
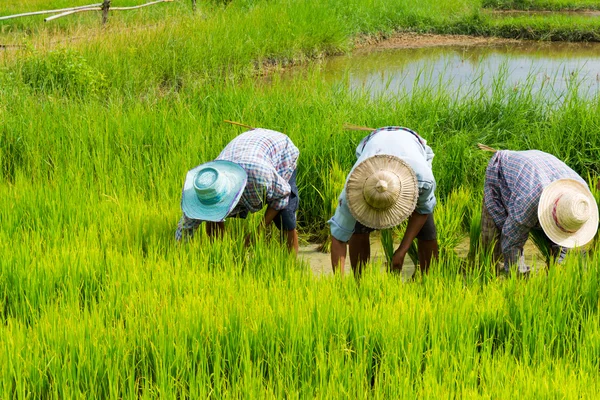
(194, 5)
(105, 7)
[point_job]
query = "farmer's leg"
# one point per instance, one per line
(286, 219)
(427, 244)
(490, 236)
(359, 248)
(215, 229)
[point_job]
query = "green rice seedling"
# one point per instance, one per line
(333, 180)
(475, 236)
(539, 239)
(449, 217)
(387, 242)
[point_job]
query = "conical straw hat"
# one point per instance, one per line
(568, 213)
(382, 191)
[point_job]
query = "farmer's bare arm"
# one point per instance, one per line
(415, 223)
(270, 215)
(338, 254)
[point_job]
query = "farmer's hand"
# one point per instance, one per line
(249, 240)
(398, 260)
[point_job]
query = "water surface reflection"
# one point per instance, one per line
(547, 67)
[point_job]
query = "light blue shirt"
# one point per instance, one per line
(402, 143)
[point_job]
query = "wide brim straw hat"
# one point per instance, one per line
(382, 191)
(568, 213)
(212, 190)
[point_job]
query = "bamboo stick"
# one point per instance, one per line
(238, 123)
(47, 11)
(486, 148)
(353, 127)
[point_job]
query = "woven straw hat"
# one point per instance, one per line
(568, 213)
(382, 191)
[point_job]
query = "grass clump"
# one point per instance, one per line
(550, 5)
(62, 72)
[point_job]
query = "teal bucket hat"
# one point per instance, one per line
(212, 190)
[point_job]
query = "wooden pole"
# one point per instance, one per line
(194, 5)
(105, 8)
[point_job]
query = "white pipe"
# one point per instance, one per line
(48, 11)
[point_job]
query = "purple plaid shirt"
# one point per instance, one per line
(514, 181)
(269, 158)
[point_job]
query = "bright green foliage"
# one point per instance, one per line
(137, 315)
(97, 300)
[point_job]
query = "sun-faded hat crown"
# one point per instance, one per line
(382, 191)
(568, 213)
(210, 186)
(212, 190)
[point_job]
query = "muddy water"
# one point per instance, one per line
(320, 263)
(465, 69)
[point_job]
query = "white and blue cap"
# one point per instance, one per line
(212, 190)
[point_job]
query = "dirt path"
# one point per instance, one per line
(415, 40)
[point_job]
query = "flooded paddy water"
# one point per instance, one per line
(466, 66)
(320, 262)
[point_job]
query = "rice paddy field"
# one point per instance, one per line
(99, 125)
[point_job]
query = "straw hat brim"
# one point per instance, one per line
(565, 239)
(193, 208)
(405, 202)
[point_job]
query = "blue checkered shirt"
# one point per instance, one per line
(269, 158)
(514, 181)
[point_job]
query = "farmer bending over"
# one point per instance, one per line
(257, 167)
(390, 182)
(533, 190)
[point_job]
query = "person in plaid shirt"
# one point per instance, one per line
(516, 185)
(268, 159)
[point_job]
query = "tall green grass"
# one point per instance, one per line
(125, 148)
